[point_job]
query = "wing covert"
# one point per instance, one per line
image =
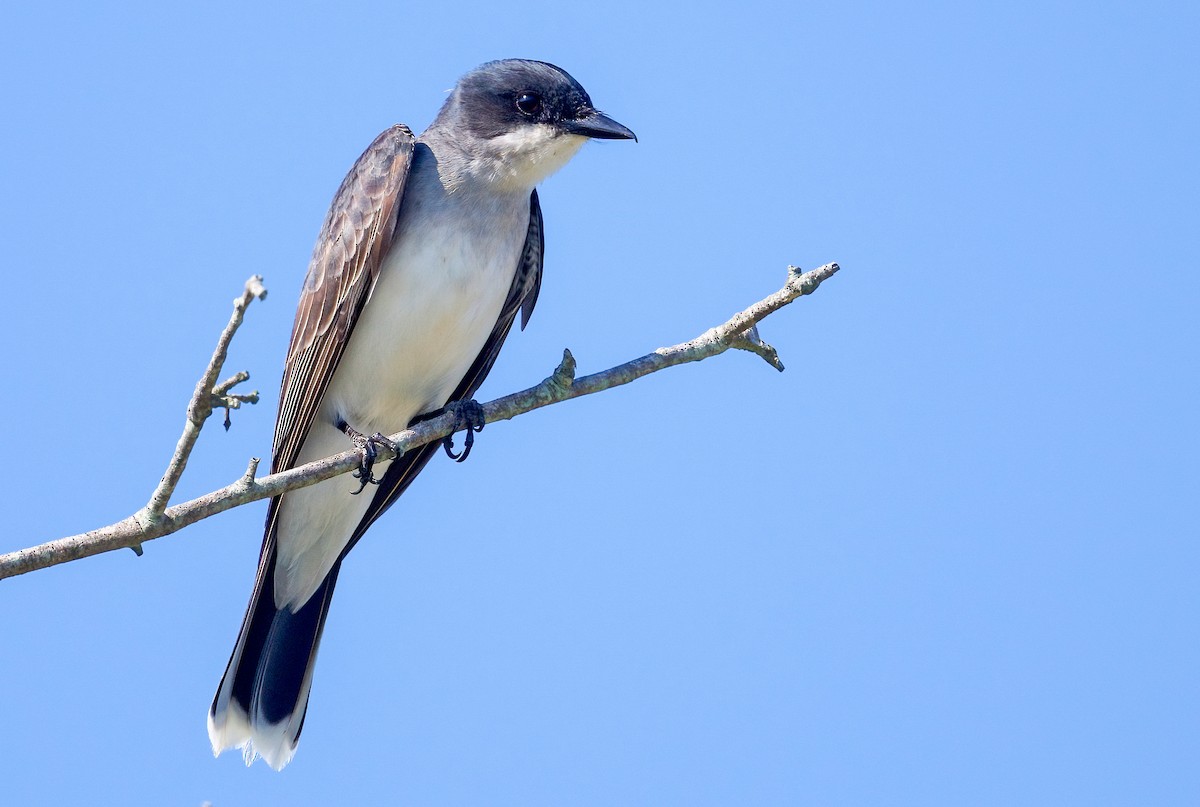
(355, 237)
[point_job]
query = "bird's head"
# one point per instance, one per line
(523, 120)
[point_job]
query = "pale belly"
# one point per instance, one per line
(426, 321)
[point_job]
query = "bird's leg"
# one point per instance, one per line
(370, 451)
(468, 417)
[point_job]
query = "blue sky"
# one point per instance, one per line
(949, 557)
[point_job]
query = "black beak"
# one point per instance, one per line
(599, 126)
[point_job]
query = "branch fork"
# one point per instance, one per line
(207, 396)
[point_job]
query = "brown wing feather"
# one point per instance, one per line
(354, 239)
(350, 248)
(345, 263)
(522, 296)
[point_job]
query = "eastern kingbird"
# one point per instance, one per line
(430, 249)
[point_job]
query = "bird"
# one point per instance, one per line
(431, 248)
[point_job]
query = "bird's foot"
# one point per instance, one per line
(468, 416)
(369, 446)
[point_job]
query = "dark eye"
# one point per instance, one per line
(529, 103)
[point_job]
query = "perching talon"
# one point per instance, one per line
(468, 417)
(370, 452)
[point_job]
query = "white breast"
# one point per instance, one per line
(437, 299)
(438, 296)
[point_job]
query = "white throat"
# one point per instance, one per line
(516, 161)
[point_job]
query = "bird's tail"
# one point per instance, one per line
(260, 704)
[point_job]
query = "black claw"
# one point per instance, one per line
(468, 416)
(370, 452)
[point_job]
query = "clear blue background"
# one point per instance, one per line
(949, 557)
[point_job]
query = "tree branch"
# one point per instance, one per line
(157, 519)
(201, 406)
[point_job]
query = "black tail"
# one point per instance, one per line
(262, 698)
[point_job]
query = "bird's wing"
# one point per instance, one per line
(356, 235)
(345, 264)
(522, 296)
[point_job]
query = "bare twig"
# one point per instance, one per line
(233, 380)
(739, 332)
(201, 406)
